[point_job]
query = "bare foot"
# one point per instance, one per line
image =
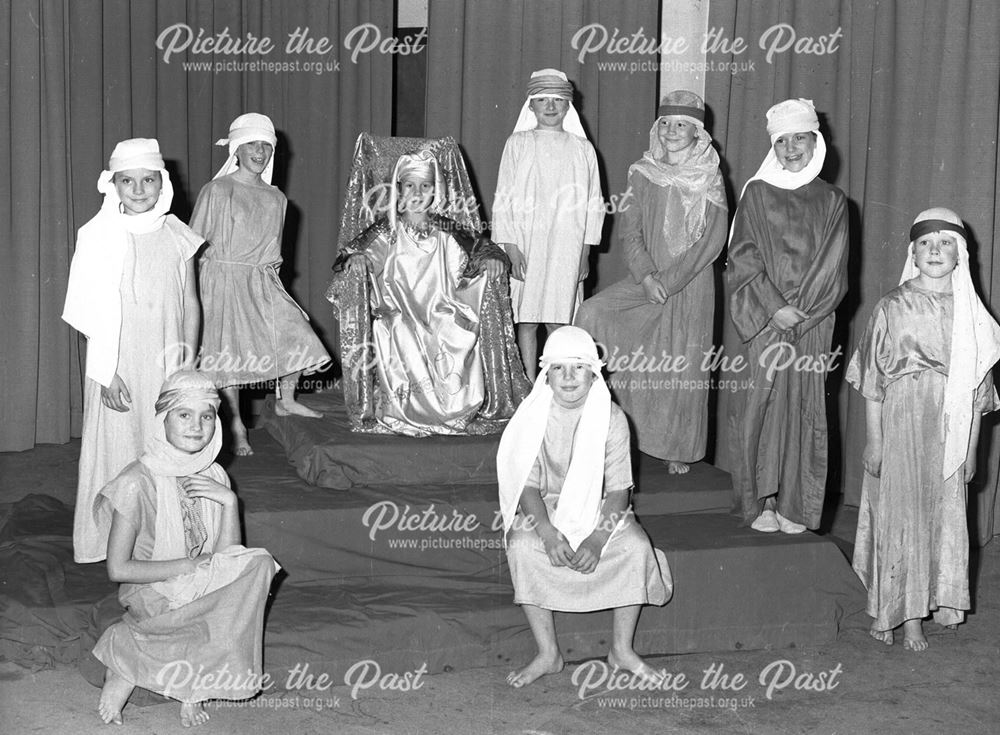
(193, 714)
(631, 661)
(539, 666)
(677, 468)
(294, 408)
(114, 695)
(882, 636)
(241, 443)
(913, 635)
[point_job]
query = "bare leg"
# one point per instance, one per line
(913, 635)
(677, 468)
(622, 655)
(114, 695)
(548, 660)
(193, 714)
(527, 343)
(286, 404)
(241, 444)
(883, 636)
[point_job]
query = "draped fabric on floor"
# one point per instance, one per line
(909, 104)
(82, 76)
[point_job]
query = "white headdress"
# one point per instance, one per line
(246, 129)
(579, 508)
(93, 300)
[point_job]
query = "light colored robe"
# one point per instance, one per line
(426, 332)
(253, 331)
(630, 572)
(548, 203)
(195, 636)
(912, 544)
(154, 278)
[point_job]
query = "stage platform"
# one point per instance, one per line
(408, 576)
(457, 469)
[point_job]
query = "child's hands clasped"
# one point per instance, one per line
(655, 292)
(199, 486)
(589, 553)
(116, 396)
(787, 317)
(557, 548)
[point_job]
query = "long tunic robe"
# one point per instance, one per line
(426, 332)
(154, 279)
(644, 343)
(195, 636)
(548, 203)
(253, 331)
(630, 572)
(788, 247)
(912, 544)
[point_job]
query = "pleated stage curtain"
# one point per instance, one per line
(908, 96)
(480, 55)
(83, 75)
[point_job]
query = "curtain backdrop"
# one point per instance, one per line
(909, 105)
(83, 75)
(480, 55)
(908, 96)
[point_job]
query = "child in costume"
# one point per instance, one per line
(923, 365)
(548, 210)
(786, 275)
(132, 292)
(254, 332)
(427, 335)
(565, 477)
(672, 232)
(194, 597)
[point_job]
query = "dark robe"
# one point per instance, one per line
(788, 247)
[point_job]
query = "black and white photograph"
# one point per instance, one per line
(529, 367)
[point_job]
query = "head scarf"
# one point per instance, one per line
(183, 524)
(248, 128)
(791, 116)
(579, 508)
(975, 336)
(697, 179)
(549, 83)
(425, 165)
(93, 299)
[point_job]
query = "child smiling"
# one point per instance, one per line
(923, 365)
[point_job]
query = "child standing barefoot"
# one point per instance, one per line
(548, 210)
(254, 331)
(194, 597)
(565, 477)
(923, 364)
(132, 292)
